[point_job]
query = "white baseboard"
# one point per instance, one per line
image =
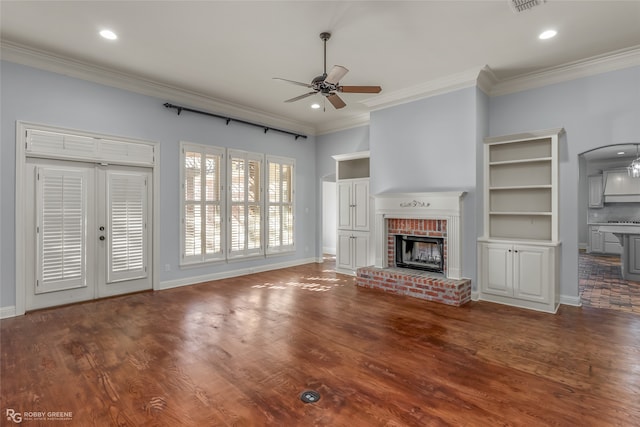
(330, 251)
(569, 300)
(583, 246)
(168, 284)
(475, 296)
(6, 312)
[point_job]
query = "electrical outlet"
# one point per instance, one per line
(167, 267)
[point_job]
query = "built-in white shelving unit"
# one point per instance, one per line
(354, 246)
(519, 250)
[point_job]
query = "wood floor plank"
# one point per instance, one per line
(238, 352)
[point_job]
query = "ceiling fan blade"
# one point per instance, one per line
(297, 98)
(294, 82)
(360, 89)
(336, 73)
(336, 101)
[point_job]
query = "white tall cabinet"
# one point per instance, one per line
(354, 245)
(519, 251)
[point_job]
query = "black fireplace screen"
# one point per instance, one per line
(423, 253)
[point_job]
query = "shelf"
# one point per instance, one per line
(521, 187)
(520, 226)
(522, 161)
(522, 151)
(353, 169)
(520, 213)
(520, 174)
(521, 200)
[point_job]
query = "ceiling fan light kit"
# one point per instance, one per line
(328, 84)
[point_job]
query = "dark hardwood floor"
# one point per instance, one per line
(239, 352)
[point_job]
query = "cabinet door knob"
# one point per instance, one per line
(509, 250)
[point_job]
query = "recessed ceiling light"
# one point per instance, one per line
(108, 34)
(548, 34)
(620, 153)
(315, 106)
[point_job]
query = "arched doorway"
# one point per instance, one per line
(601, 282)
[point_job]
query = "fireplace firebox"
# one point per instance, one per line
(418, 252)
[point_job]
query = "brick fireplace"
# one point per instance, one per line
(422, 217)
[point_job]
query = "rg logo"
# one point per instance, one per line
(14, 416)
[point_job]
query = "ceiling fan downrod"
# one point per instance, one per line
(325, 36)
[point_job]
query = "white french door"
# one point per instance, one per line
(91, 234)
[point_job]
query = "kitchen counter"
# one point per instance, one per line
(629, 236)
(619, 228)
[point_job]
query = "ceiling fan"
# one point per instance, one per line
(328, 85)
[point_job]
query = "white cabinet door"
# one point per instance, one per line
(353, 205)
(595, 191)
(596, 240)
(497, 269)
(361, 205)
(530, 273)
(345, 205)
(344, 255)
(361, 250)
(633, 250)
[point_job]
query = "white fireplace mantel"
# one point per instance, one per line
(437, 205)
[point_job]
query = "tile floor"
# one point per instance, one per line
(601, 284)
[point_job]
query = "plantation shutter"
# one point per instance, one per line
(280, 236)
(245, 203)
(202, 173)
(127, 212)
(61, 206)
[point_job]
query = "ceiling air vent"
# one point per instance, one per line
(522, 5)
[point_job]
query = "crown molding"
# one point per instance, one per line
(25, 55)
(343, 124)
(428, 89)
(611, 61)
(483, 77)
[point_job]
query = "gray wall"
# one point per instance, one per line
(34, 95)
(431, 145)
(595, 111)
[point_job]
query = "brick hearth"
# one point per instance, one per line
(418, 284)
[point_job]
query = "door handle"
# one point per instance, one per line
(101, 237)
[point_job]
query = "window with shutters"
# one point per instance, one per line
(61, 206)
(202, 173)
(280, 191)
(245, 203)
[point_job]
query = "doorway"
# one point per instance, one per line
(85, 210)
(600, 281)
(89, 236)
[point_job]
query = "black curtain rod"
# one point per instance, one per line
(229, 119)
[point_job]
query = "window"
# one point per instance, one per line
(280, 204)
(202, 203)
(245, 203)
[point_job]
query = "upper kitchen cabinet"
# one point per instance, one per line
(596, 199)
(619, 187)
